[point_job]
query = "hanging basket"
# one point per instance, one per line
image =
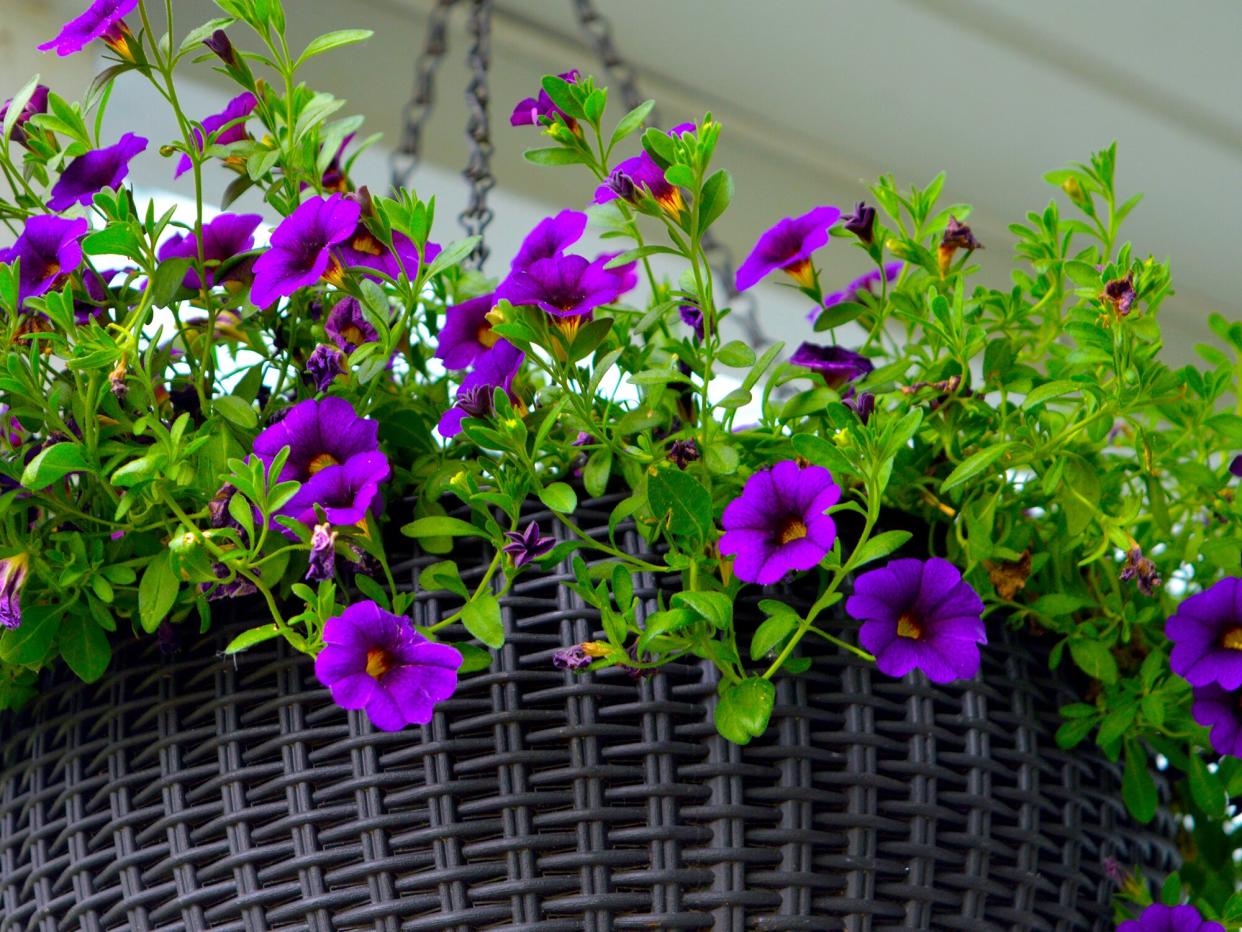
(186, 793)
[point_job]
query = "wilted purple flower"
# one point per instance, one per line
(692, 317)
(956, 236)
(218, 512)
(641, 174)
(1161, 918)
(494, 369)
(301, 247)
(224, 238)
(236, 112)
(1220, 710)
(572, 658)
(835, 364)
(347, 325)
(477, 402)
(375, 661)
(219, 43)
(861, 222)
(322, 560)
(36, 104)
(922, 614)
(1119, 294)
(1142, 570)
(862, 405)
(48, 249)
(529, 111)
(236, 588)
(102, 19)
(527, 545)
(863, 284)
(467, 333)
(550, 238)
(94, 171)
(789, 246)
(568, 286)
(323, 365)
(1235, 466)
(13, 571)
(683, 452)
(1206, 632)
(779, 522)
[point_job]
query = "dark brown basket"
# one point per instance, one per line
(198, 793)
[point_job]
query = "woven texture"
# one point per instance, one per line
(195, 792)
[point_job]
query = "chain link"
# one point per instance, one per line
(478, 173)
(404, 158)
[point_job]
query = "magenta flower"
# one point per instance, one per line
(323, 365)
(96, 301)
(375, 661)
(640, 174)
(467, 333)
(568, 286)
(789, 246)
(13, 571)
(363, 250)
(225, 238)
(1220, 710)
(1161, 918)
(835, 364)
(347, 325)
(1206, 632)
(550, 238)
(779, 523)
(36, 104)
(863, 284)
(90, 173)
(235, 112)
(301, 247)
(922, 614)
(102, 19)
(527, 545)
(494, 369)
(49, 248)
(533, 110)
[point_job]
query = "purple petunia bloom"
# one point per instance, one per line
(364, 251)
(1206, 632)
(13, 572)
(641, 174)
(323, 365)
(528, 112)
(94, 171)
(224, 238)
(347, 325)
(322, 560)
(779, 522)
(692, 317)
(836, 364)
(863, 284)
(494, 369)
(102, 19)
(789, 246)
(375, 661)
(917, 613)
(467, 333)
(568, 286)
(95, 303)
(572, 658)
(1220, 710)
(236, 112)
(527, 545)
(36, 104)
(862, 222)
(301, 247)
(48, 249)
(550, 238)
(1161, 918)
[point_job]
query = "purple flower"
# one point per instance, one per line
(375, 661)
(90, 173)
(527, 545)
(235, 588)
(36, 104)
(917, 613)
(683, 453)
(219, 43)
(345, 492)
(322, 561)
(347, 325)
(1142, 570)
(334, 176)
(363, 250)
(550, 238)
(224, 238)
(641, 174)
(301, 247)
(956, 236)
(494, 369)
(862, 405)
(48, 249)
(1206, 633)
(692, 317)
(467, 333)
(572, 658)
(102, 19)
(1235, 466)
(1161, 918)
(13, 571)
(836, 364)
(568, 286)
(11, 429)
(788, 246)
(1119, 294)
(532, 110)
(863, 284)
(778, 524)
(236, 112)
(323, 365)
(862, 223)
(95, 303)
(1220, 710)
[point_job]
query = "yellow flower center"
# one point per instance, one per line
(802, 272)
(352, 335)
(794, 529)
(1232, 639)
(322, 461)
(377, 664)
(486, 336)
(671, 202)
(908, 627)
(365, 242)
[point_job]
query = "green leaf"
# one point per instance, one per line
(772, 632)
(679, 499)
(642, 252)
(735, 399)
(1094, 659)
(441, 526)
(721, 458)
(744, 709)
(1137, 787)
(22, 97)
(596, 472)
(555, 155)
(452, 254)
(736, 355)
(559, 497)
(880, 546)
(237, 411)
(53, 464)
(333, 40)
(562, 95)
(975, 464)
(473, 658)
(716, 197)
(840, 313)
(84, 646)
(443, 577)
(157, 592)
(715, 607)
(252, 637)
(1205, 788)
(30, 643)
(1082, 273)
(168, 280)
(1050, 390)
(631, 121)
(481, 616)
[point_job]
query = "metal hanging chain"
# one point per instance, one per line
(404, 158)
(478, 173)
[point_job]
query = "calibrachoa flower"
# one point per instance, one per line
(789, 246)
(102, 19)
(922, 614)
(347, 325)
(301, 247)
(692, 317)
(861, 404)
(863, 284)
(12, 580)
(322, 562)
(529, 111)
(1161, 918)
(861, 222)
(224, 238)
(1206, 633)
(550, 238)
(1220, 710)
(527, 545)
(95, 302)
(778, 524)
(93, 171)
(467, 333)
(1119, 294)
(364, 251)
(235, 112)
(375, 661)
(568, 286)
(835, 364)
(323, 365)
(572, 658)
(36, 104)
(494, 369)
(634, 176)
(48, 249)
(956, 236)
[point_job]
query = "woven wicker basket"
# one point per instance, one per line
(195, 792)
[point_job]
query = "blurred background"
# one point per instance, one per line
(817, 98)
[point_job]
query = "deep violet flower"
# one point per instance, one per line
(531, 110)
(347, 325)
(236, 111)
(692, 317)
(956, 236)
(1119, 294)
(550, 238)
(789, 246)
(48, 249)
(93, 171)
(494, 369)
(863, 284)
(1220, 710)
(683, 452)
(527, 545)
(835, 364)
(301, 247)
(568, 286)
(778, 524)
(1161, 918)
(861, 222)
(572, 658)
(335, 177)
(862, 404)
(922, 614)
(235, 588)
(94, 304)
(102, 19)
(220, 43)
(641, 174)
(467, 333)
(375, 661)
(322, 561)
(36, 104)
(13, 572)
(362, 250)
(1206, 632)
(323, 365)
(224, 238)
